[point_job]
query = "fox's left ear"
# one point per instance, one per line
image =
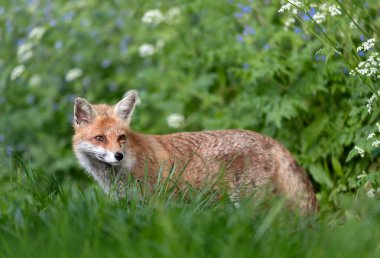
(124, 109)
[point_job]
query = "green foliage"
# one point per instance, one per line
(69, 221)
(220, 64)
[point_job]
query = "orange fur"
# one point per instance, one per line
(249, 159)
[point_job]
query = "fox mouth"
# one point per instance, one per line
(102, 159)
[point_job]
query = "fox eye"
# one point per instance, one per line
(121, 137)
(100, 138)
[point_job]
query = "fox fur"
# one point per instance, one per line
(103, 142)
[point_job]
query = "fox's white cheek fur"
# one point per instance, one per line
(97, 152)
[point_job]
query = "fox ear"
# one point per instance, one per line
(83, 112)
(124, 109)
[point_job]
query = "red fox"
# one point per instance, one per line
(103, 142)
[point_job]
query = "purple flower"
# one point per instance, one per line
(68, 16)
(319, 57)
(30, 99)
(305, 17)
(53, 23)
(266, 47)
(55, 106)
(124, 44)
(9, 150)
(361, 53)
(106, 63)
(297, 30)
(362, 39)
(58, 44)
(238, 15)
(112, 86)
(246, 9)
(239, 38)
(312, 11)
(9, 25)
(249, 31)
(120, 22)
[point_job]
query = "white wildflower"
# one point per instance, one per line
(35, 80)
(153, 17)
(73, 74)
(370, 102)
(16, 72)
(378, 127)
(369, 67)
(288, 23)
(362, 175)
(146, 50)
(371, 193)
(319, 17)
(25, 52)
(291, 6)
(378, 190)
(375, 143)
(37, 33)
(371, 135)
(172, 15)
(360, 151)
(323, 7)
(285, 7)
(366, 45)
(334, 10)
(175, 120)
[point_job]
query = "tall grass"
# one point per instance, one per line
(41, 217)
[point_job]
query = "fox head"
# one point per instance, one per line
(101, 131)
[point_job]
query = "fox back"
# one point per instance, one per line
(104, 145)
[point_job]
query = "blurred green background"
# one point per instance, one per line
(211, 64)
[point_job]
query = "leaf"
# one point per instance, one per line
(337, 167)
(320, 175)
(312, 132)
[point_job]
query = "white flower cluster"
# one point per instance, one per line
(17, 71)
(360, 151)
(371, 100)
(367, 45)
(37, 33)
(73, 74)
(324, 11)
(375, 143)
(175, 120)
(371, 193)
(288, 23)
(369, 67)
(155, 16)
(25, 51)
(333, 10)
(320, 16)
(291, 5)
(146, 49)
(362, 175)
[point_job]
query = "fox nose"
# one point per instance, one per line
(119, 156)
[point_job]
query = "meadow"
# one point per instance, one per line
(305, 73)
